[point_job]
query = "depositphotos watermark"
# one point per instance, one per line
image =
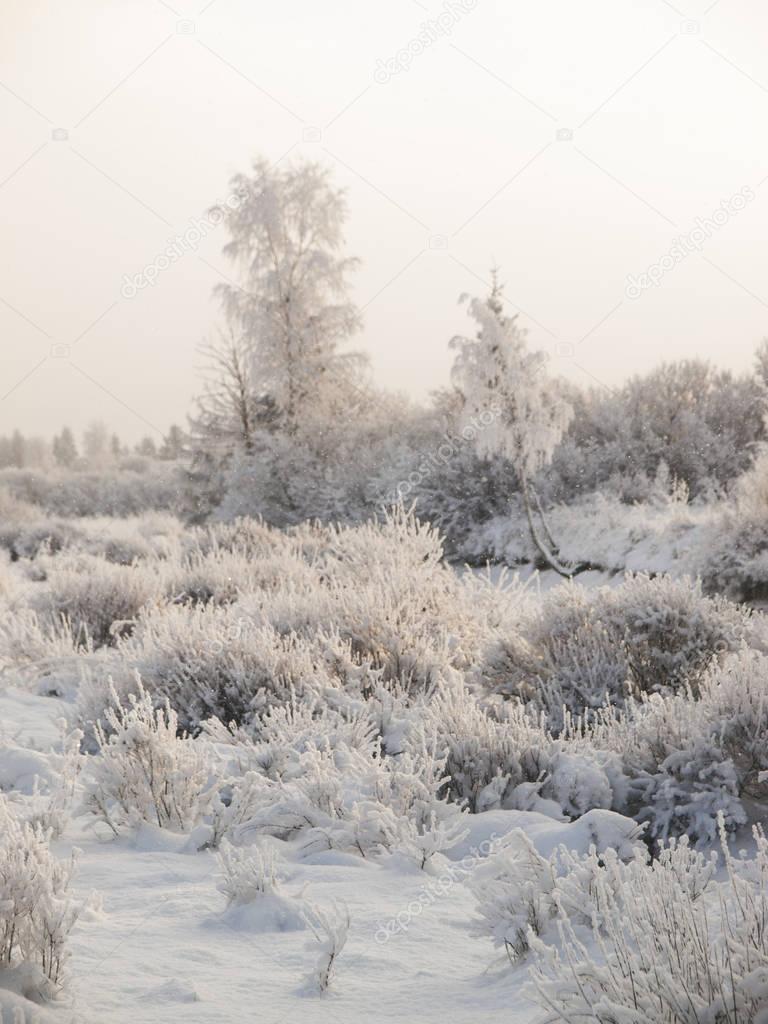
(430, 31)
(437, 889)
(694, 241)
(450, 447)
(186, 242)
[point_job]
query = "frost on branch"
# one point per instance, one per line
(145, 770)
(36, 912)
(329, 927)
(667, 944)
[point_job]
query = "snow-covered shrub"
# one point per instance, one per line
(519, 891)
(735, 699)
(401, 608)
(510, 760)
(719, 756)
(212, 661)
(579, 651)
(483, 755)
(145, 769)
(99, 600)
(690, 789)
(152, 535)
(514, 891)
(311, 724)
(102, 683)
(221, 575)
(248, 873)
(234, 803)
(248, 536)
(330, 795)
(670, 945)
(690, 756)
(51, 810)
(40, 537)
(330, 928)
(317, 773)
(561, 657)
(686, 416)
(733, 554)
(328, 807)
(28, 638)
(413, 787)
(116, 492)
(36, 912)
(255, 762)
(670, 630)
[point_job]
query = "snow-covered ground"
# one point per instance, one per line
(156, 943)
(400, 740)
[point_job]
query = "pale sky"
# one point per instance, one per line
(571, 143)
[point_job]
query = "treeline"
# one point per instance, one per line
(98, 448)
(290, 426)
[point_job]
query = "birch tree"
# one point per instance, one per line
(504, 386)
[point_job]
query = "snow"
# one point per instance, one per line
(597, 828)
(171, 930)
(165, 948)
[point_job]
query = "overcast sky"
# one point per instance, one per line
(571, 143)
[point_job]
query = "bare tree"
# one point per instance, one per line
(229, 408)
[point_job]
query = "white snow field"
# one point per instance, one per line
(319, 775)
(156, 943)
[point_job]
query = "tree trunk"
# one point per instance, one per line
(545, 553)
(548, 533)
(548, 556)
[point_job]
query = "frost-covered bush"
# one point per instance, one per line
(514, 891)
(735, 699)
(401, 608)
(98, 600)
(254, 763)
(689, 757)
(670, 630)
(152, 535)
(248, 873)
(579, 651)
(27, 533)
(48, 537)
(691, 787)
(519, 891)
(51, 806)
(247, 536)
(334, 609)
(330, 928)
(483, 755)
(733, 554)
(221, 575)
(562, 656)
(687, 416)
(330, 806)
(335, 791)
(211, 661)
(510, 760)
(31, 639)
(36, 911)
(670, 945)
(117, 492)
(145, 769)
(720, 754)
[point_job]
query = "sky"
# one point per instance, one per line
(609, 156)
